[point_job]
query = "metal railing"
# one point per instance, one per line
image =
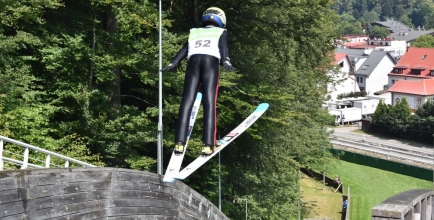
(24, 163)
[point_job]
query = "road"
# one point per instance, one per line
(403, 151)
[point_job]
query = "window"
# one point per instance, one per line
(364, 67)
(424, 56)
(431, 72)
(418, 102)
(393, 81)
(398, 70)
(361, 79)
(341, 64)
(415, 72)
(397, 100)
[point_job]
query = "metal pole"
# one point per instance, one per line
(324, 167)
(160, 100)
(246, 209)
(299, 191)
(220, 188)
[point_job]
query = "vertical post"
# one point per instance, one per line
(236, 199)
(160, 99)
(220, 187)
(299, 191)
(246, 208)
(26, 159)
(47, 161)
(1, 155)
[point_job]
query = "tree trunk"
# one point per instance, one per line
(111, 27)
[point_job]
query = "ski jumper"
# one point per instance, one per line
(205, 49)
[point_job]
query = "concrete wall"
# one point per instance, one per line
(98, 193)
(414, 204)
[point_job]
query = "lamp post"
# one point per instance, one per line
(235, 200)
(160, 100)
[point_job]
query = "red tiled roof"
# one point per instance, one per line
(413, 58)
(339, 57)
(423, 87)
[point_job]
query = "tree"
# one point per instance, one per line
(400, 115)
(379, 32)
(422, 16)
(372, 16)
(424, 41)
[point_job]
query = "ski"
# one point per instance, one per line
(176, 159)
(198, 162)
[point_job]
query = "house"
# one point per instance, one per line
(343, 82)
(356, 56)
(400, 31)
(396, 48)
(356, 38)
(415, 65)
(416, 92)
(372, 76)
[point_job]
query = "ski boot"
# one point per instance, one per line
(179, 148)
(207, 150)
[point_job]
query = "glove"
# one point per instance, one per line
(171, 67)
(228, 66)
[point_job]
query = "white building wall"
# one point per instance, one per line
(379, 77)
(346, 83)
(397, 48)
(414, 101)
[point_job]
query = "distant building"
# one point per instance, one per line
(400, 31)
(416, 92)
(344, 81)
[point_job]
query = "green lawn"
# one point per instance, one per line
(370, 186)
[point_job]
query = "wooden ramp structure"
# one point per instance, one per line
(98, 193)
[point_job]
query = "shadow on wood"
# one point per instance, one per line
(98, 193)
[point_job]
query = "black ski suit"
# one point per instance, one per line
(202, 69)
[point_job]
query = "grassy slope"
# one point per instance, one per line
(370, 186)
(319, 203)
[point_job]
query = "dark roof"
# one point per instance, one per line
(400, 31)
(372, 62)
(351, 52)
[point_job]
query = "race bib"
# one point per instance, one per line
(204, 41)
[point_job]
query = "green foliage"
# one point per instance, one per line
(400, 115)
(399, 121)
(379, 32)
(393, 120)
(349, 26)
(424, 41)
(352, 94)
(412, 13)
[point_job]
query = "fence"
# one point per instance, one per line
(387, 165)
(21, 160)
